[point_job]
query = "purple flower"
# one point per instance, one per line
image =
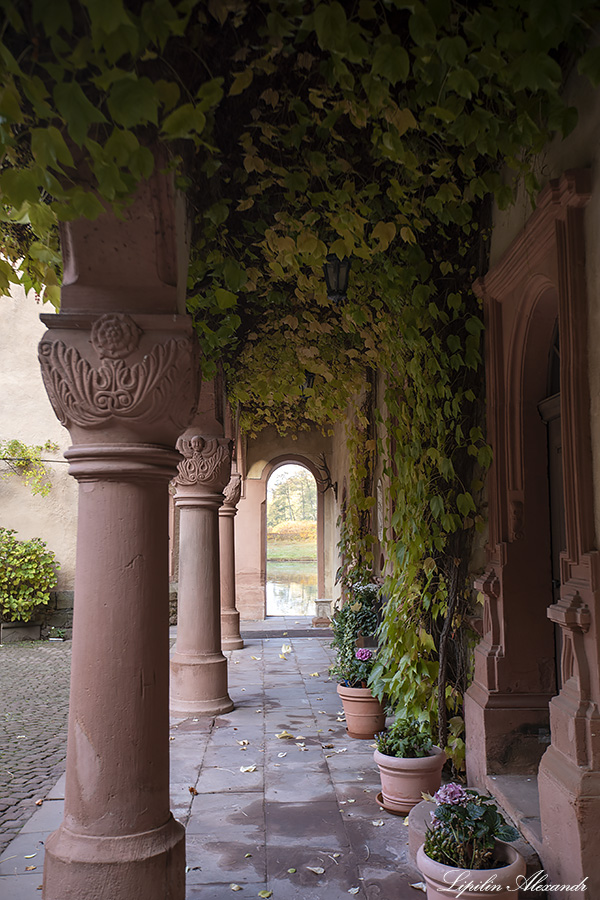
(451, 793)
(435, 822)
(363, 654)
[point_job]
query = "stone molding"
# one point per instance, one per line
(207, 462)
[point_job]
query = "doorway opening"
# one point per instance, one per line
(291, 584)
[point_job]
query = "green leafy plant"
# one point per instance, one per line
(28, 572)
(464, 828)
(25, 460)
(405, 739)
(356, 618)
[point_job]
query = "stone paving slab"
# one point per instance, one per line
(310, 808)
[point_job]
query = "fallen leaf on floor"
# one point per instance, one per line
(30, 868)
(406, 822)
(38, 802)
(351, 801)
(283, 735)
(328, 746)
(420, 886)
(286, 648)
(236, 662)
(374, 746)
(193, 791)
(319, 698)
(336, 855)
(341, 750)
(256, 657)
(253, 769)
(171, 738)
(314, 674)
(30, 856)
(339, 718)
(282, 656)
(235, 887)
(302, 747)
(243, 743)
(354, 890)
(39, 887)
(277, 765)
(284, 634)
(281, 755)
(322, 711)
(318, 870)
(265, 894)
(319, 730)
(341, 712)
(247, 856)
(377, 822)
(300, 737)
(291, 871)
(243, 689)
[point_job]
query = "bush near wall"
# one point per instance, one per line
(293, 531)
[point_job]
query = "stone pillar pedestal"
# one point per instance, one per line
(230, 617)
(198, 667)
(123, 387)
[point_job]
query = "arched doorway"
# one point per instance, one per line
(291, 543)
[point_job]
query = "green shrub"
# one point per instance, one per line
(405, 739)
(26, 461)
(27, 575)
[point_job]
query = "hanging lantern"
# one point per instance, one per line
(337, 272)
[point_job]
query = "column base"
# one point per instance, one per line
(231, 638)
(570, 813)
(199, 685)
(149, 865)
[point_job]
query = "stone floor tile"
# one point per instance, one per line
(317, 824)
(25, 887)
(13, 861)
(58, 791)
(47, 817)
(232, 858)
(229, 778)
(220, 891)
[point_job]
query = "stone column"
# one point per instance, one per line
(123, 386)
(198, 667)
(230, 617)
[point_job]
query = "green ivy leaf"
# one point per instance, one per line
(133, 102)
(76, 109)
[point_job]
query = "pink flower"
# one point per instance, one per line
(363, 654)
(451, 793)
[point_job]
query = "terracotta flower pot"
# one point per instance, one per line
(444, 882)
(364, 713)
(404, 780)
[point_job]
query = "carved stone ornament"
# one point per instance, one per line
(207, 461)
(233, 491)
(148, 390)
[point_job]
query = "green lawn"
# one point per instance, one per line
(292, 550)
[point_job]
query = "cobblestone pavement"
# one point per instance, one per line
(34, 700)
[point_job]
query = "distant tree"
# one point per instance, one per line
(293, 498)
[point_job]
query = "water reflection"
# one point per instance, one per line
(291, 588)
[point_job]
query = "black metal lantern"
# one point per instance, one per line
(337, 272)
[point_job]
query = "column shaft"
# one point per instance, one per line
(230, 617)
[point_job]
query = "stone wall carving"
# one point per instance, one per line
(233, 491)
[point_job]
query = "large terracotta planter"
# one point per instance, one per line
(403, 781)
(364, 713)
(444, 882)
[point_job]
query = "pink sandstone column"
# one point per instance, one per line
(230, 617)
(123, 385)
(198, 667)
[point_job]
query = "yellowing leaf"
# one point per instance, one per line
(264, 895)
(283, 735)
(314, 675)
(235, 887)
(241, 81)
(286, 648)
(247, 768)
(384, 232)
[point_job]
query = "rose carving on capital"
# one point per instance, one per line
(207, 461)
(159, 387)
(233, 491)
(115, 336)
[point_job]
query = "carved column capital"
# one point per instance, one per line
(116, 378)
(232, 494)
(206, 463)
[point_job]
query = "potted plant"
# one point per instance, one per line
(353, 624)
(465, 854)
(409, 764)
